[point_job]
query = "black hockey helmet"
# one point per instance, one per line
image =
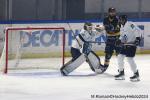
(123, 17)
(86, 24)
(111, 9)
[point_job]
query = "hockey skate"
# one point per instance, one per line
(100, 70)
(120, 76)
(135, 77)
(103, 68)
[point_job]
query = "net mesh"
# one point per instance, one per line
(33, 48)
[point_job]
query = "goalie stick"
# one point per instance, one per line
(74, 35)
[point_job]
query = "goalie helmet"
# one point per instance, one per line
(88, 26)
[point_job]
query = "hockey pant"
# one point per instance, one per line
(92, 59)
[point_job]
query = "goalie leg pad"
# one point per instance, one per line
(94, 62)
(72, 65)
(75, 53)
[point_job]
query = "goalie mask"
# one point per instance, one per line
(88, 26)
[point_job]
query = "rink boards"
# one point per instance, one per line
(68, 32)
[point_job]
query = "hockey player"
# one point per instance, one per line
(81, 50)
(112, 28)
(129, 40)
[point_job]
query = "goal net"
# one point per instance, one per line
(33, 48)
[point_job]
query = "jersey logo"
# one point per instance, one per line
(132, 26)
(124, 39)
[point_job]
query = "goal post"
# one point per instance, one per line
(39, 45)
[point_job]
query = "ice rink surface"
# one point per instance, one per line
(82, 84)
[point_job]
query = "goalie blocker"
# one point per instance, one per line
(92, 59)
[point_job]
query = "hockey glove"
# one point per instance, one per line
(118, 42)
(99, 28)
(137, 41)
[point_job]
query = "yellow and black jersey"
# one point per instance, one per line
(112, 26)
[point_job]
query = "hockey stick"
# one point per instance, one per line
(95, 42)
(74, 35)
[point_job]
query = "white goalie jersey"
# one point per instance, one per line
(84, 35)
(129, 32)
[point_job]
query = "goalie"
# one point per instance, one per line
(81, 50)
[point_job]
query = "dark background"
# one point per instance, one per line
(70, 9)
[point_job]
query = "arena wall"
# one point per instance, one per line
(68, 31)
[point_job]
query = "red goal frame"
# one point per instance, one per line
(33, 28)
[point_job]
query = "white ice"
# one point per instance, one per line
(80, 85)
